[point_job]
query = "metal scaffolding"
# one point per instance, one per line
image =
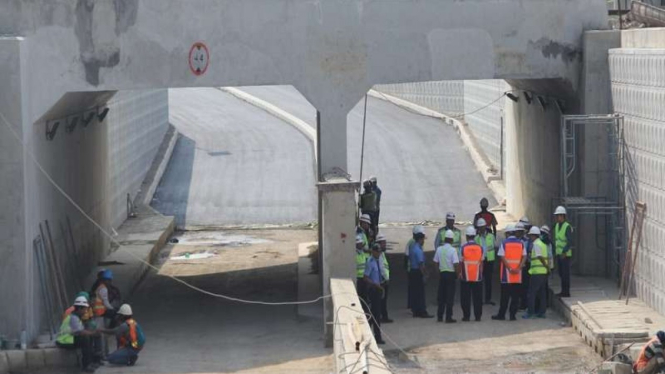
(607, 208)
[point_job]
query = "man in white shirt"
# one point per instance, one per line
(447, 259)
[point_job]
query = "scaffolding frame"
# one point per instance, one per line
(608, 210)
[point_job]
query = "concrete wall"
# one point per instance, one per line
(445, 97)
(638, 92)
(97, 166)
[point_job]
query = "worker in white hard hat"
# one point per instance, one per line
(417, 229)
(365, 230)
(538, 269)
(520, 233)
(447, 259)
(369, 205)
(382, 242)
(563, 241)
(490, 219)
(512, 255)
(74, 335)
(450, 225)
(129, 336)
(547, 239)
(471, 285)
(417, 273)
(487, 241)
(378, 193)
(362, 255)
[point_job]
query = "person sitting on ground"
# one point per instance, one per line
(73, 335)
(130, 338)
(651, 359)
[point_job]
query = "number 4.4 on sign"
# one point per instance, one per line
(199, 58)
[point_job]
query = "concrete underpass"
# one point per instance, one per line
(214, 166)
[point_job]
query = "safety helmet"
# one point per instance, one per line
(380, 238)
(450, 215)
(484, 203)
(107, 274)
(525, 221)
(559, 210)
(125, 310)
(366, 218)
(366, 182)
(534, 230)
(510, 228)
(83, 294)
(372, 179)
(481, 222)
(81, 301)
(418, 229)
(519, 226)
(359, 239)
(450, 234)
(545, 229)
(470, 231)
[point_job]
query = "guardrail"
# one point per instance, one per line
(648, 14)
(354, 346)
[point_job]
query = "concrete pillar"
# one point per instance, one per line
(339, 233)
(14, 314)
(332, 142)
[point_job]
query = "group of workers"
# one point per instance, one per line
(94, 314)
(525, 258)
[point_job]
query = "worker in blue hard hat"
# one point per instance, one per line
(102, 307)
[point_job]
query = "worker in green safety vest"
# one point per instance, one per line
(538, 270)
(486, 240)
(440, 237)
(385, 272)
(361, 260)
(369, 204)
(73, 334)
(563, 240)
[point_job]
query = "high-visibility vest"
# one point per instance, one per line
(472, 256)
(65, 335)
(365, 240)
(537, 267)
(361, 260)
(368, 202)
(561, 239)
(443, 264)
(513, 249)
(488, 245)
(99, 307)
(135, 336)
(457, 237)
(386, 266)
(647, 353)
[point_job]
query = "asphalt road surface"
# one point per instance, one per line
(234, 164)
(421, 164)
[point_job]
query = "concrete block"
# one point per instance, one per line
(615, 368)
(17, 361)
(34, 359)
(56, 357)
(4, 363)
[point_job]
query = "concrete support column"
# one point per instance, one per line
(332, 142)
(339, 234)
(14, 313)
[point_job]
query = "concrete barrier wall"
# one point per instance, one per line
(445, 97)
(638, 92)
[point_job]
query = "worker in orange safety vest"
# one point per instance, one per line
(471, 286)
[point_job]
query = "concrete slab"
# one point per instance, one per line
(54, 357)
(34, 359)
(4, 363)
(17, 361)
(615, 368)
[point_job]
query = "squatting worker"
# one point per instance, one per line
(449, 270)
(450, 225)
(563, 240)
(538, 270)
(512, 256)
(485, 214)
(385, 271)
(73, 335)
(416, 277)
(471, 287)
(418, 229)
(129, 336)
(652, 358)
(361, 260)
(373, 279)
(487, 241)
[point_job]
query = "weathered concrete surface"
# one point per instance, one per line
(410, 155)
(235, 164)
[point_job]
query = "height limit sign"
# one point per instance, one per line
(199, 58)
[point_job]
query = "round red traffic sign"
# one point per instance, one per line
(199, 58)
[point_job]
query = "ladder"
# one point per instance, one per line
(629, 263)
